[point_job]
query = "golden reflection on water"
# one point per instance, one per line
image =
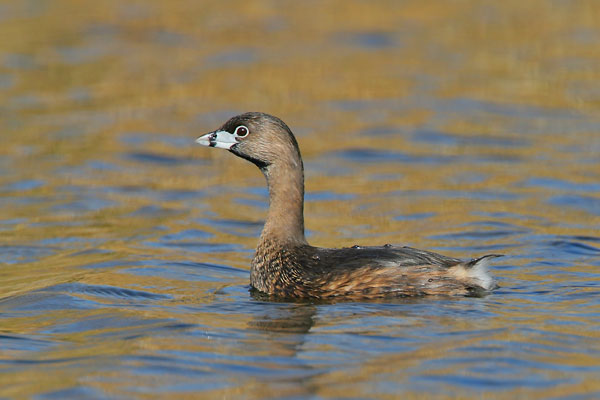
(78, 79)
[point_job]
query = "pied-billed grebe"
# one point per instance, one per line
(286, 265)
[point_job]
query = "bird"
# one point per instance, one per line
(285, 265)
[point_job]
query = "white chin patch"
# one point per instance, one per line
(220, 139)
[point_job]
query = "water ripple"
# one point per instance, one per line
(587, 204)
(381, 156)
(106, 291)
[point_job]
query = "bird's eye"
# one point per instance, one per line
(241, 131)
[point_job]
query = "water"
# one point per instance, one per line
(466, 128)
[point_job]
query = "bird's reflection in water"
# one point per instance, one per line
(283, 317)
(281, 333)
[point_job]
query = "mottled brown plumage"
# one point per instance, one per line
(286, 265)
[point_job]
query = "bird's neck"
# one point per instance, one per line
(285, 219)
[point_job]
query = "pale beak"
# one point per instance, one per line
(220, 139)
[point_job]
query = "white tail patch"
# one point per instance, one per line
(475, 272)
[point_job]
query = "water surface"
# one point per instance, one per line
(461, 127)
